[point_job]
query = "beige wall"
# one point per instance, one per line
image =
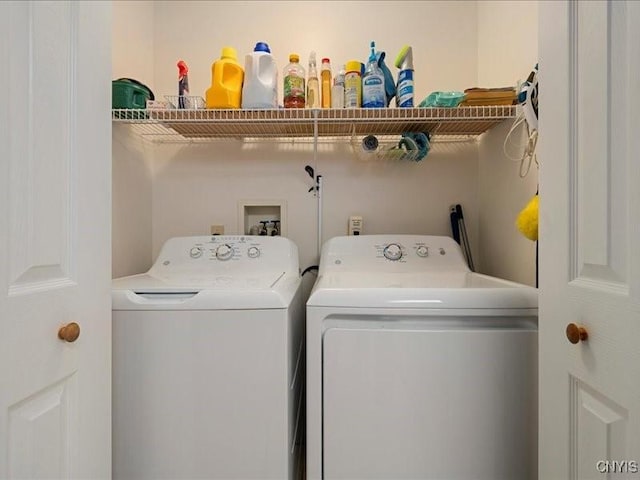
(507, 51)
(132, 57)
(196, 186)
(443, 35)
(182, 189)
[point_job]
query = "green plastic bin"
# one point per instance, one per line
(129, 93)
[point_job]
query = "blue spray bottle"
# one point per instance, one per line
(373, 92)
(404, 61)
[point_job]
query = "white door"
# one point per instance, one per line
(590, 239)
(55, 197)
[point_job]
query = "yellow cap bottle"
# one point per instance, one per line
(353, 85)
(227, 76)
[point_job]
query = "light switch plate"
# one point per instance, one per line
(355, 225)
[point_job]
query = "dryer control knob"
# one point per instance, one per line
(422, 251)
(393, 251)
(224, 252)
(253, 252)
(195, 252)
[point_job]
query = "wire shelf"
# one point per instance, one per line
(203, 124)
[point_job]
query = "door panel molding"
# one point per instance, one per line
(36, 421)
(598, 430)
(599, 222)
(42, 160)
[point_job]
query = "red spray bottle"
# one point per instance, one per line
(183, 84)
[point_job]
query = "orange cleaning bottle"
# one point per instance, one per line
(227, 76)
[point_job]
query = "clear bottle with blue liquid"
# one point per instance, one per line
(373, 91)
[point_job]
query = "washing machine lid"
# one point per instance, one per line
(198, 292)
(441, 290)
(214, 273)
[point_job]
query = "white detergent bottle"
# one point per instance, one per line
(373, 92)
(260, 89)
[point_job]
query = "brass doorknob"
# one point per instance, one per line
(576, 334)
(70, 332)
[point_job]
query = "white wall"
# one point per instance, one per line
(132, 57)
(507, 51)
(196, 186)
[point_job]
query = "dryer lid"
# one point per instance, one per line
(441, 290)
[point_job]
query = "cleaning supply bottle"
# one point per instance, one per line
(183, 84)
(313, 86)
(294, 83)
(404, 61)
(260, 89)
(226, 81)
(337, 91)
(353, 85)
(325, 74)
(373, 92)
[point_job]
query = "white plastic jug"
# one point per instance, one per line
(260, 89)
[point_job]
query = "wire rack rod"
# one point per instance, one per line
(291, 123)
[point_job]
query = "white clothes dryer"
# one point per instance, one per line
(208, 362)
(418, 368)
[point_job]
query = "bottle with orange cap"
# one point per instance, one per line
(325, 75)
(294, 75)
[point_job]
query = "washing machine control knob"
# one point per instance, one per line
(253, 252)
(195, 252)
(393, 251)
(422, 251)
(224, 252)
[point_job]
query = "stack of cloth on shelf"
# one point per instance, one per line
(489, 96)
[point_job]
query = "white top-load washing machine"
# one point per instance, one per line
(418, 368)
(208, 362)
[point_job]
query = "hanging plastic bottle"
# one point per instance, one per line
(373, 92)
(226, 81)
(260, 89)
(313, 86)
(294, 83)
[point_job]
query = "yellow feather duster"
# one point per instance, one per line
(527, 221)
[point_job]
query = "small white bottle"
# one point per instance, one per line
(337, 91)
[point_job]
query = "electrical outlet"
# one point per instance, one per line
(355, 225)
(217, 229)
